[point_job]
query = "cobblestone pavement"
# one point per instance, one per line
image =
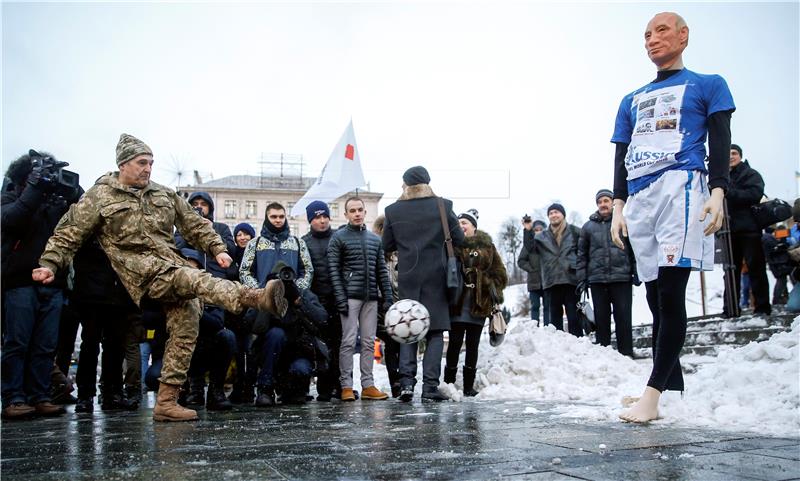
(386, 441)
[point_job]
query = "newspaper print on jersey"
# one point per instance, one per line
(656, 137)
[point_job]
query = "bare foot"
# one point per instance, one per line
(645, 409)
(628, 401)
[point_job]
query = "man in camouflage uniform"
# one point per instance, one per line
(133, 219)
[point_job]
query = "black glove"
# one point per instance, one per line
(342, 308)
(38, 175)
(635, 279)
(582, 287)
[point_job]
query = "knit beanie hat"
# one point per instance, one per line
(129, 147)
(472, 216)
(603, 193)
(317, 208)
(558, 207)
(245, 227)
(539, 223)
(416, 175)
(736, 148)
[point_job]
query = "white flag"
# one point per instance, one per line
(341, 174)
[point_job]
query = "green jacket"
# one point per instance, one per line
(135, 229)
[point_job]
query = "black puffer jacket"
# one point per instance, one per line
(599, 259)
(357, 266)
(29, 217)
(745, 190)
(528, 261)
(317, 243)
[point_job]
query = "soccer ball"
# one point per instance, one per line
(407, 321)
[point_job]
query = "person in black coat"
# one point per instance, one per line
(745, 190)
(317, 240)
(414, 229)
(360, 279)
(33, 202)
(202, 202)
(103, 306)
(529, 262)
(242, 392)
(610, 272)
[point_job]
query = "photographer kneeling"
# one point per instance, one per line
(288, 349)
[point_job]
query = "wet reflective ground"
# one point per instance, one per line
(384, 440)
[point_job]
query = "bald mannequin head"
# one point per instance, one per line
(665, 39)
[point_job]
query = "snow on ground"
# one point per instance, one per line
(750, 388)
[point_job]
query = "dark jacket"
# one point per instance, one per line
(95, 281)
(357, 266)
(484, 276)
(776, 253)
(745, 190)
(413, 228)
(29, 217)
(599, 259)
(559, 262)
(317, 244)
(208, 262)
(529, 262)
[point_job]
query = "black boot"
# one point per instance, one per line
(469, 380)
(450, 374)
(216, 400)
(116, 401)
(432, 395)
(84, 405)
(196, 397)
(266, 397)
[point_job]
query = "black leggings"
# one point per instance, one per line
(457, 332)
(666, 297)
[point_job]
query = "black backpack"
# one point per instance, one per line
(771, 212)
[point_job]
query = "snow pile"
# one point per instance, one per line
(751, 388)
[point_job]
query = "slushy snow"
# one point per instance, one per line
(749, 388)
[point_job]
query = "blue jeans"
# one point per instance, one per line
(31, 315)
(538, 298)
(144, 351)
(271, 345)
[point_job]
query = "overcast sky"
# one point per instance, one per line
(510, 106)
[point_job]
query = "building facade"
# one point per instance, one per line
(244, 198)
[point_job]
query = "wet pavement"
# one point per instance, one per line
(386, 441)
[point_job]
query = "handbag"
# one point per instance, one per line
(586, 313)
(498, 324)
(455, 279)
(771, 212)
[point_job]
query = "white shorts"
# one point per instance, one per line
(664, 227)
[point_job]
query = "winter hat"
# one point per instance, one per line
(736, 148)
(129, 147)
(539, 223)
(558, 207)
(317, 208)
(416, 175)
(472, 216)
(247, 228)
(603, 193)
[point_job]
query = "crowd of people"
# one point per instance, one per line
(176, 299)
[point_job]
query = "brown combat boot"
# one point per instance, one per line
(270, 299)
(373, 393)
(167, 407)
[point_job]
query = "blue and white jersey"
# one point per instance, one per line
(666, 124)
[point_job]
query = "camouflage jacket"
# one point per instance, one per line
(135, 229)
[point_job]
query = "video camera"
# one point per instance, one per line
(57, 180)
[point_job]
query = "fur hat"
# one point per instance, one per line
(129, 147)
(416, 175)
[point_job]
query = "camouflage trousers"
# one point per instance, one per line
(180, 291)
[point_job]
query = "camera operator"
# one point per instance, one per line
(290, 350)
(777, 243)
(37, 191)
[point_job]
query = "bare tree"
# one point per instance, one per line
(510, 241)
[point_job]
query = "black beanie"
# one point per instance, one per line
(558, 207)
(416, 175)
(603, 193)
(736, 148)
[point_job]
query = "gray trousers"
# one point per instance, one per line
(362, 317)
(431, 362)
